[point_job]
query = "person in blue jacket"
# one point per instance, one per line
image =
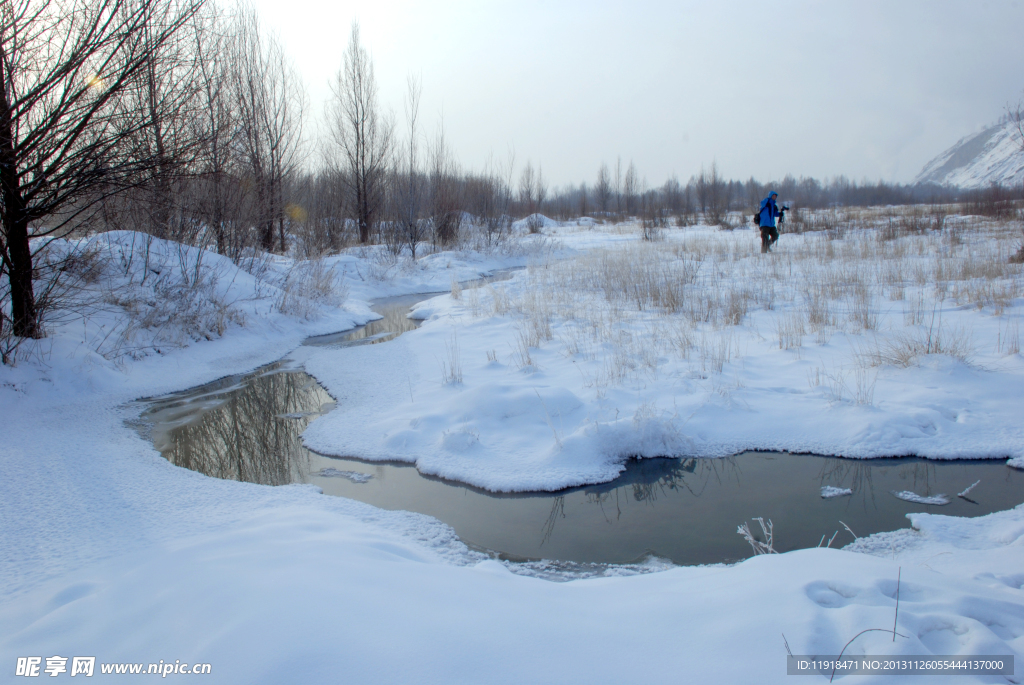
(769, 210)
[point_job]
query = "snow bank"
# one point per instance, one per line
(535, 221)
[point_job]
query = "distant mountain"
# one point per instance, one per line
(993, 156)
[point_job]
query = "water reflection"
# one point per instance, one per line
(649, 479)
(242, 428)
(394, 320)
(393, 323)
(247, 427)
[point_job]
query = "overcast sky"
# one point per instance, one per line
(866, 89)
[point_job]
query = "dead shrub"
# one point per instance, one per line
(307, 287)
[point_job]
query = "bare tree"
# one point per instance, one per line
(700, 187)
(361, 135)
(541, 191)
(219, 198)
(528, 189)
(408, 177)
(687, 215)
(753, 193)
(673, 195)
(317, 216)
(1016, 117)
(533, 191)
(445, 200)
(649, 209)
(603, 188)
(631, 188)
(170, 102)
(711, 194)
(490, 198)
(618, 185)
(69, 70)
(270, 108)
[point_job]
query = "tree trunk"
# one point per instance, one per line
(267, 236)
(23, 303)
(363, 212)
(15, 224)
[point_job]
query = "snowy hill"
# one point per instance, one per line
(995, 155)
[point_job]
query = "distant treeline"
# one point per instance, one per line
(709, 197)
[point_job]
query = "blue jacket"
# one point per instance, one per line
(769, 210)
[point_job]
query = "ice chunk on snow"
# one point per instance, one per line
(1016, 462)
(353, 476)
(920, 499)
(830, 491)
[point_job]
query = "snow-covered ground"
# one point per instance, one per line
(107, 550)
(698, 346)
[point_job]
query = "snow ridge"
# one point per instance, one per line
(995, 155)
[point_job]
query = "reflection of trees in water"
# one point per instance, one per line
(918, 475)
(394, 312)
(859, 475)
(557, 512)
(249, 437)
(394, 321)
(645, 480)
(649, 479)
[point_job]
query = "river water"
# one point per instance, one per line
(248, 428)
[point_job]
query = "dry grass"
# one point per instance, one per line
(451, 365)
(1008, 338)
(861, 313)
(499, 300)
(882, 274)
(521, 352)
(905, 348)
(309, 286)
(790, 331)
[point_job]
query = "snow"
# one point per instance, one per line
(353, 476)
(536, 221)
(106, 549)
(603, 381)
(967, 490)
(830, 491)
(995, 155)
(909, 496)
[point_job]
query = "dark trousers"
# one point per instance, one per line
(769, 236)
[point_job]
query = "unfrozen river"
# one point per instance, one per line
(685, 510)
